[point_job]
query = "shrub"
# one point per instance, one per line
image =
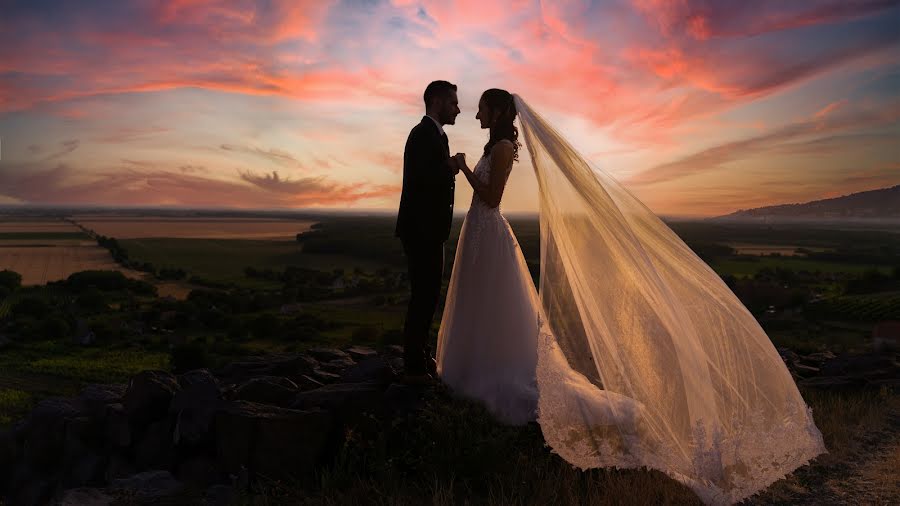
(10, 280)
(189, 356)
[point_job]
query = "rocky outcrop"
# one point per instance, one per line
(825, 370)
(201, 432)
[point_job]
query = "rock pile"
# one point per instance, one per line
(162, 434)
(826, 370)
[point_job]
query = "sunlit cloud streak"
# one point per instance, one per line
(323, 93)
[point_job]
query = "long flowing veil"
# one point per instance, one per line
(647, 359)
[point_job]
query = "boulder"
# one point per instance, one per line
(88, 469)
(346, 400)
(194, 407)
(84, 497)
(96, 397)
(118, 467)
(269, 440)
(375, 369)
(149, 485)
(325, 377)
(44, 432)
(324, 354)
(267, 390)
(148, 397)
(868, 365)
(220, 495)
(361, 352)
(117, 428)
(156, 448)
(9, 454)
(309, 383)
(199, 471)
(290, 366)
(833, 382)
(338, 366)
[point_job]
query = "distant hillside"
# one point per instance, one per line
(874, 205)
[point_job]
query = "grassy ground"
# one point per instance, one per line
(33, 371)
(454, 453)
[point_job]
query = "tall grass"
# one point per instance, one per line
(452, 452)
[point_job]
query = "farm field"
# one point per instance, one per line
(44, 250)
(134, 227)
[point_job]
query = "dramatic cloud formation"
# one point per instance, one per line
(699, 107)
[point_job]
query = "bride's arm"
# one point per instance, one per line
(492, 191)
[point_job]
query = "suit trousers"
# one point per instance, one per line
(425, 261)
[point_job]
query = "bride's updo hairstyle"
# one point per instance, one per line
(501, 101)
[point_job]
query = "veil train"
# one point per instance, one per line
(646, 357)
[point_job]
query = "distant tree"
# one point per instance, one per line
(10, 279)
(30, 306)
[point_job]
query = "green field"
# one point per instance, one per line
(224, 260)
(750, 265)
(44, 236)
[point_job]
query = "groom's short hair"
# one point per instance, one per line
(437, 89)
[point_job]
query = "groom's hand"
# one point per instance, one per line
(460, 159)
(453, 163)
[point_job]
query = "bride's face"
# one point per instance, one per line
(484, 114)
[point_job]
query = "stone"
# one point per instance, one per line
(358, 353)
(833, 382)
(819, 356)
(84, 496)
(375, 369)
(118, 467)
(324, 354)
(155, 484)
(9, 454)
(394, 349)
(267, 390)
(87, 470)
(44, 432)
(309, 383)
(156, 449)
(269, 440)
(148, 396)
(194, 407)
(198, 471)
(290, 366)
(33, 492)
(338, 365)
(118, 430)
(96, 397)
(806, 370)
(220, 495)
(868, 365)
(325, 376)
(346, 400)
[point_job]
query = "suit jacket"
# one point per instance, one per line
(426, 203)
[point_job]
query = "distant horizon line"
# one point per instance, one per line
(274, 210)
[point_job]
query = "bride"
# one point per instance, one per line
(633, 353)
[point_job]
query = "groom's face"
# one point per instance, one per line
(449, 109)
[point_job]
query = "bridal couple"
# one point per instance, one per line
(631, 353)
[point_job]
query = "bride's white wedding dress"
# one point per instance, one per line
(633, 354)
(487, 344)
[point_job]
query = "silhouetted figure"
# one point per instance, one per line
(423, 221)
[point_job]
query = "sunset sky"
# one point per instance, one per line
(698, 107)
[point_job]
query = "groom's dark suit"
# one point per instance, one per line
(423, 225)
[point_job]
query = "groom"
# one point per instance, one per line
(423, 222)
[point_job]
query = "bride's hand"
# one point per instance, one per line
(461, 161)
